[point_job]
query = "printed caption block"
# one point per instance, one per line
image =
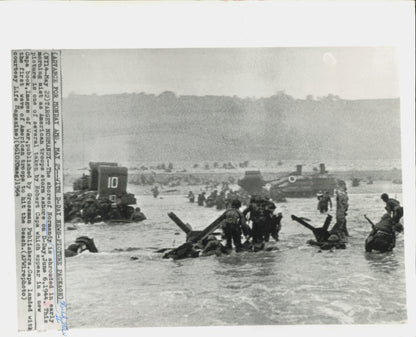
(38, 178)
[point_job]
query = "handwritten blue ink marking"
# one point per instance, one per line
(60, 315)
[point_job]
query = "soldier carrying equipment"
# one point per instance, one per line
(234, 223)
(382, 237)
(393, 208)
(258, 217)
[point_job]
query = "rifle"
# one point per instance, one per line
(371, 223)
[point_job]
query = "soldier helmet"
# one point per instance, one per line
(255, 198)
(271, 205)
(384, 197)
(138, 209)
(236, 203)
(342, 184)
(333, 238)
(211, 237)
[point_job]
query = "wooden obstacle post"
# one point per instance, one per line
(196, 236)
(185, 227)
(327, 222)
(321, 233)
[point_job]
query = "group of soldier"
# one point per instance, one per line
(259, 211)
(336, 237)
(220, 200)
(382, 237)
(85, 207)
(266, 223)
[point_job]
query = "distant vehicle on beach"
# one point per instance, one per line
(293, 185)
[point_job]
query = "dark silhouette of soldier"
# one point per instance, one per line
(137, 215)
(201, 199)
(81, 244)
(114, 213)
(258, 217)
(393, 208)
(382, 237)
(155, 191)
(340, 227)
(233, 225)
(90, 209)
(191, 197)
(324, 202)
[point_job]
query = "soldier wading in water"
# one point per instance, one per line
(324, 201)
(383, 235)
(234, 224)
(340, 227)
(393, 208)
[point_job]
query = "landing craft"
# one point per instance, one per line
(253, 183)
(294, 185)
(106, 183)
(108, 180)
(298, 184)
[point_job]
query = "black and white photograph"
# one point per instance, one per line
(248, 186)
(208, 168)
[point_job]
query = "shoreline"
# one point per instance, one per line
(195, 179)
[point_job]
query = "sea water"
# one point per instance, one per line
(128, 284)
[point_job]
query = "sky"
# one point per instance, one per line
(349, 72)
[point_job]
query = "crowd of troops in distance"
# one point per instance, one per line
(258, 222)
(266, 223)
(220, 200)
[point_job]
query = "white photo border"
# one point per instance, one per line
(112, 25)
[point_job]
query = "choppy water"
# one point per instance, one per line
(293, 285)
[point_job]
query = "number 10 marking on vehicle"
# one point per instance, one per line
(112, 182)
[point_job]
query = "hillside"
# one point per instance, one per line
(144, 127)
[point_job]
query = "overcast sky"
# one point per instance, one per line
(351, 73)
